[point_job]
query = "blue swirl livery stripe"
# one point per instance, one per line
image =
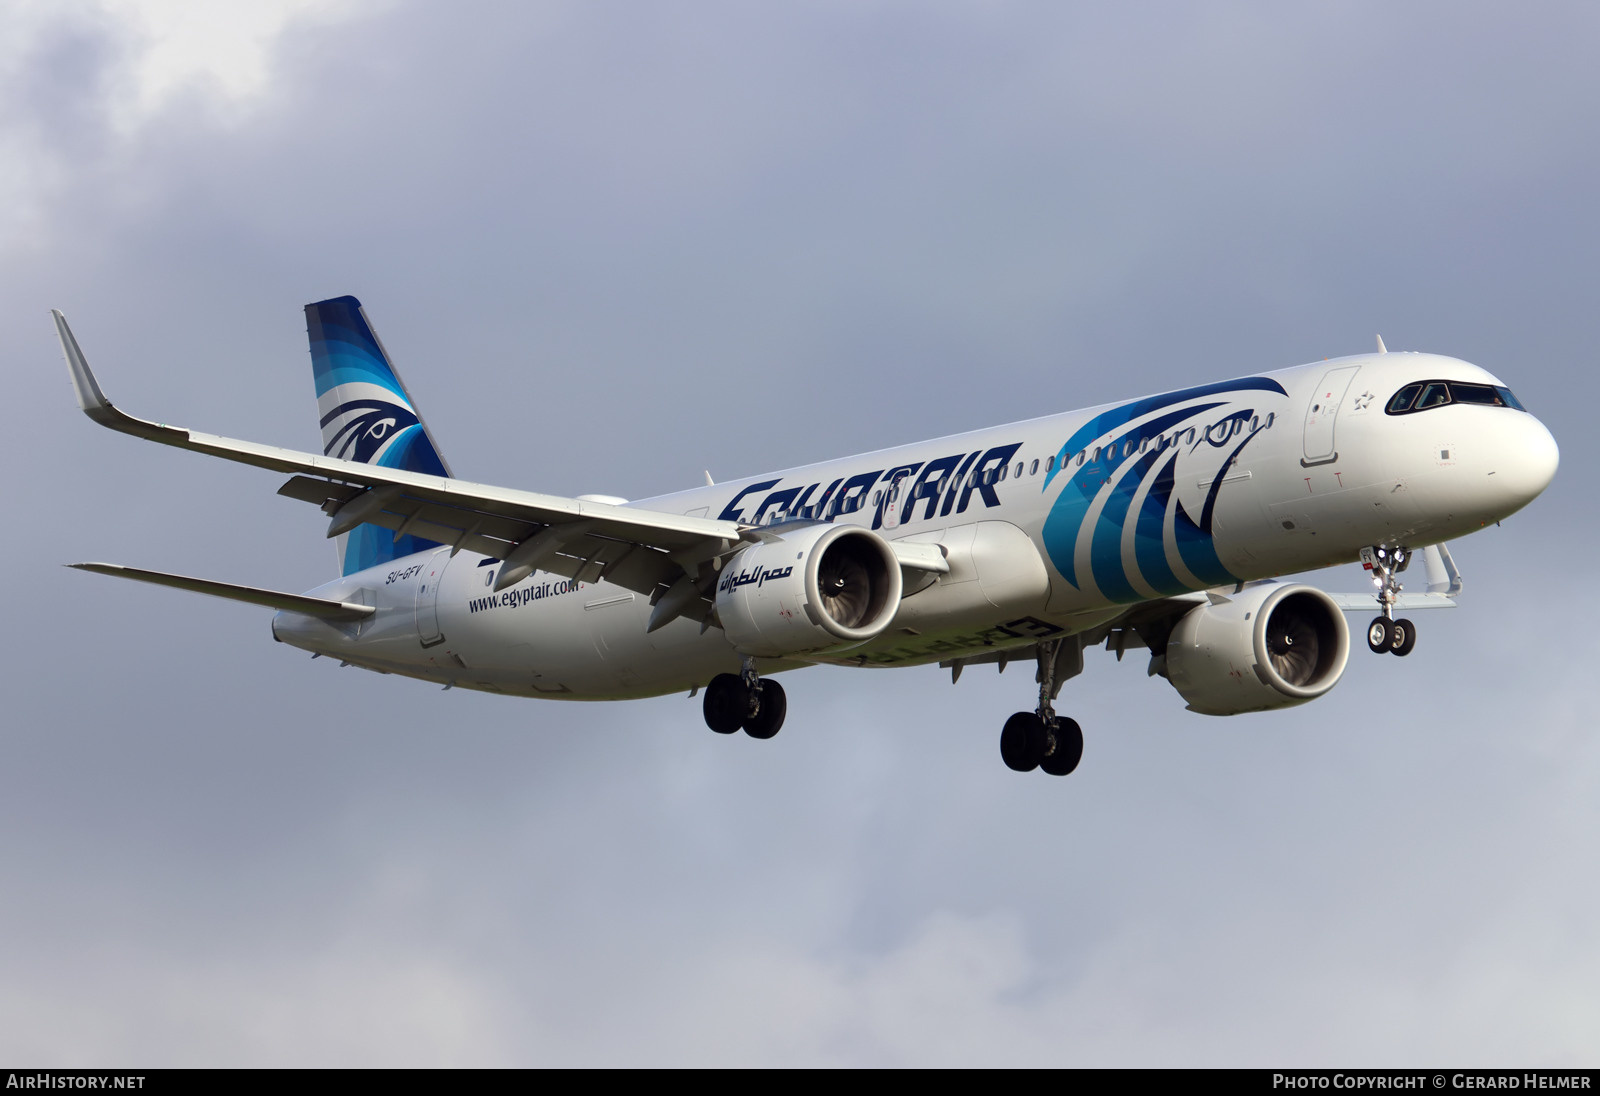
(1087, 480)
(1149, 534)
(366, 416)
(1107, 421)
(1105, 548)
(1124, 434)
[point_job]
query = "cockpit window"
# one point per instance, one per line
(1476, 393)
(1439, 393)
(1402, 399)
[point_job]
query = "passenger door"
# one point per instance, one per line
(1322, 411)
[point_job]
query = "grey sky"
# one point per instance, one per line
(613, 244)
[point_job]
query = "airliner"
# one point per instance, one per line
(1162, 524)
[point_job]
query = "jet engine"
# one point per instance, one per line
(1269, 646)
(817, 588)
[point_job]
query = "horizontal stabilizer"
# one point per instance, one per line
(272, 599)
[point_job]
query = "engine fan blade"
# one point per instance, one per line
(1292, 646)
(846, 589)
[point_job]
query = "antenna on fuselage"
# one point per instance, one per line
(709, 481)
(1381, 348)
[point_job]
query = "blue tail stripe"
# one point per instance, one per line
(413, 452)
(343, 348)
(338, 369)
(372, 427)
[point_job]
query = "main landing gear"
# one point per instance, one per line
(1386, 634)
(744, 700)
(1041, 739)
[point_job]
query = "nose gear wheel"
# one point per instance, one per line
(1387, 635)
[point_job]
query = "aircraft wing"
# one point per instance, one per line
(641, 550)
(637, 549)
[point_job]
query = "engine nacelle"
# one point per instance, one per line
(1269, 646)
(819, 588)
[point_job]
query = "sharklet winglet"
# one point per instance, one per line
(92, 400)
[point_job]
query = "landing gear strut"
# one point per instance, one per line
(744, 700)
(1040, 739)
(1386, 633)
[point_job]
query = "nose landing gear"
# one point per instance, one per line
(1386, 634)
(1041, 739)
(744, 700)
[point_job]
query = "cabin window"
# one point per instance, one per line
(877, 498)
(1050, 465)
(1188, 436)
(1019, 469)
(1033, 470)
(1271, 417)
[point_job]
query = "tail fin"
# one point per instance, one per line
(367, 416)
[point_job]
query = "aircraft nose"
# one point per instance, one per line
(1527, 462)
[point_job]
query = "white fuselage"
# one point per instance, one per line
(1050, 527)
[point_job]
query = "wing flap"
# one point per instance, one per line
(629, 564)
